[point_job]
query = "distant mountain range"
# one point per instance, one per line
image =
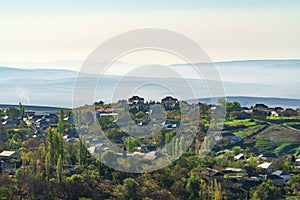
(254, 78)
(255, 63)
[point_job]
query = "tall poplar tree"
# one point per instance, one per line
(59, 170)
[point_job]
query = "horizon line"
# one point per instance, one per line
(200, 98)
(82, 61)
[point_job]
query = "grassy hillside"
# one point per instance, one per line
(261, 137)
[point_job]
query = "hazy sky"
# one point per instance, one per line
(41, 31)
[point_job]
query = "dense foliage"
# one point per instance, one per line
(50, 167)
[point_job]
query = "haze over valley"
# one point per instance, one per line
(54, 87)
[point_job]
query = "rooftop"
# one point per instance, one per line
(237, 170)
(7, 153)
(265, 165)
(239, 156)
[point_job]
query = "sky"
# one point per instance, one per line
(35, 33)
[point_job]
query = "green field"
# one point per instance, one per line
(240, 122)
(282, 117)
(277, 139)
(248, 131)
(280, 139)
(287, 148)
(280, 134)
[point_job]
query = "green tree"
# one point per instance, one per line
(59, 170)
(233, 106)
(261, 192)
(168, 139)
(293, 187)
(266, 191)
(132, 143)
(217, 190)
(140, 116)
(50, 146)
(130, 189)
(82, 152)
(55, 145)
(260, 113)
(75, 178)
(192, 187)
(47, 166)
(15, 141)
(22, 110)
(60, 124)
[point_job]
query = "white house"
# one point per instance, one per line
(239, 157)
(268, 167)
(6, 155)
(274, 114)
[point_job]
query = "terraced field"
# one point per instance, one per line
(280, 134)
(275, 138)
(248, 131)
(262, 137)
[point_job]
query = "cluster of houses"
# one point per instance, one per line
(274, 112)
(265, 167)
(167, 101)
(30, 118)
(172, 103)
(147, 153)
(41, 121)
(34, 120)
(10, 159)
(8, 121)
(265, 172)
(269, 111)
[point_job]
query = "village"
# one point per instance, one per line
(237, 157)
